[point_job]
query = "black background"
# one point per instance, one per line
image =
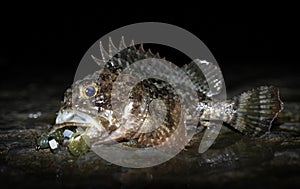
(36, 46)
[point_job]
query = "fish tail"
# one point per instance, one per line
(255, 110)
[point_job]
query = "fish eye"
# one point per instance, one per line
(89, 90)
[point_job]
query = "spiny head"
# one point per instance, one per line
(89, 100)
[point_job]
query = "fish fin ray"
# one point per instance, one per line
(257, 120)
(206, 76)
(112, 49)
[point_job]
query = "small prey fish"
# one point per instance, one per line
(86, 116)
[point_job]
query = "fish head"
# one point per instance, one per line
(83, 103)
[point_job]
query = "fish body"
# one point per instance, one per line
(89, 111)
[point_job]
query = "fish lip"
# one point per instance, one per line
(70, 115)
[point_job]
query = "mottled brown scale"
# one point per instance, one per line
(67, 102)
(145, 90)
(106, 79)
(159, 135)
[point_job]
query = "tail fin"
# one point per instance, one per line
(255, 110)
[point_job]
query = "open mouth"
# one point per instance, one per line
(91, 126)
(75, 118)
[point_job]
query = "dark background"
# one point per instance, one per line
(39, 46)
(39, 49)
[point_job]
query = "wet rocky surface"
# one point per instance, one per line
(28, 109)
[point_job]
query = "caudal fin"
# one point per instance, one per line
(255, 110)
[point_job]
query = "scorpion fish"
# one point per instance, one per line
(86, 115)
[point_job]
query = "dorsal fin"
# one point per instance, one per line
(141, 48)
(122, 44)
(97, 60)
(112, 50)
(122, 56)
(206, 76)
(132, 44)
(157, 55)
(104, 54)
(149, 53)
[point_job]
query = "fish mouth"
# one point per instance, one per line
(90, 126)
(76, 118)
